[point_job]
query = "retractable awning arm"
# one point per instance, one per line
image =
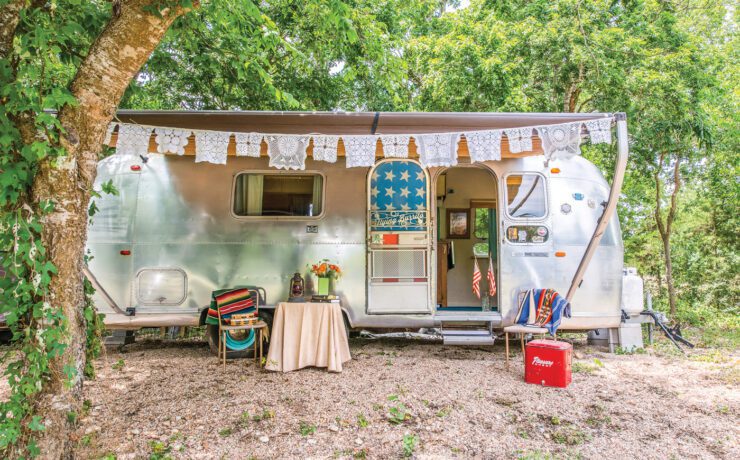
(611, 205)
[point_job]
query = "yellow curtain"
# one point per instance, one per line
(255, 184)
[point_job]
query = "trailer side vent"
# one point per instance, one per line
(161, 286)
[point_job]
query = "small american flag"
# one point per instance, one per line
(476, 278)
(491, 278)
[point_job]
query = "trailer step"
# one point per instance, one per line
(467, 337)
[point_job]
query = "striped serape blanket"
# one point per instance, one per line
(230, 302)
(543, 308)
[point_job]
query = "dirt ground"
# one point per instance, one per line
(158, 400)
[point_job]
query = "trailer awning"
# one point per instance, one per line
(480, 136)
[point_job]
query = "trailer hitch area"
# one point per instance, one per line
(673, 334)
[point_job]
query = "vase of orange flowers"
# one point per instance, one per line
(326, 272)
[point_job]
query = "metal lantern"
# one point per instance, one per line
(297, 288)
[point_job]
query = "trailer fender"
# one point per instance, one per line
(202, 317)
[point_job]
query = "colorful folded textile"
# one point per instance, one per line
(230, 302)
(543, 308)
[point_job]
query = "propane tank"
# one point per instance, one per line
(632, 292)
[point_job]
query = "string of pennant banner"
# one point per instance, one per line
(289, 151)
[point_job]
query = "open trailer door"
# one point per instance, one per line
(399, 242)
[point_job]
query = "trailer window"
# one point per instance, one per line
(278, 195)
(525, 195)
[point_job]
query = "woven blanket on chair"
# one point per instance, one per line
(230, 302)
(543, 308)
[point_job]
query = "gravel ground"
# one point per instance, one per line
(159, 399)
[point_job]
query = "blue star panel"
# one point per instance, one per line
(398, 196)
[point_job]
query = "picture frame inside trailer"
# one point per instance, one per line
(458, 223)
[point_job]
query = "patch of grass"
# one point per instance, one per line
(360, 454)
(362, 422)
(72, 417)
(534, 455)
(597, 421)
(118, 365)
(266, 414)
(159, 450)
(245, 418)
(306, 428)
(86, 440)
(505, 401)
(555, 420)
(392, 397)
(388, 362)
(108, 456)
(587, 368)
(714, 356)
(409, 444)
(629, 351)
(579, 367)
(377, 407)
(398, 414)
(444, 412)
(86, 406)
(522, 433)
(225, 432)
(570, 436)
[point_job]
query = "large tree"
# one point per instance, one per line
(59, 157)
(64, 68)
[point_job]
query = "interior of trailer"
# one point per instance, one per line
(467, 215)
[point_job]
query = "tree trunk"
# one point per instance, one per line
(665, 228)
(113, 60)
(669, 274)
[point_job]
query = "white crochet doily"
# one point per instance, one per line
(484, 145)
(395, 146)
(211, 146)
(171, 140)
(360, 150)
(600, 130)
(325, 148)
(287, 152)
(438, 149)
(520, 139)
(248, 144)
(560, 141)
(133, 139)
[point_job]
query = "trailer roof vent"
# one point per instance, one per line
(161, 286)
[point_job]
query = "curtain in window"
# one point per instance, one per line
(317, 198)
(253, 198)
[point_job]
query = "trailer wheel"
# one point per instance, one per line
(239, 337)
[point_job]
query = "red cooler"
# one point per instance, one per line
(547, 362)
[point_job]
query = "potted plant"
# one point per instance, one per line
(325, 271)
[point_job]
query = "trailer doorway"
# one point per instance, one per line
(467, 224)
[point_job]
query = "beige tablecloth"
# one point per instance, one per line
(307, 334)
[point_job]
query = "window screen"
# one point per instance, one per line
(278, 195)
(525, 195)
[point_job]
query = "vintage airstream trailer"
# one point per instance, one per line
(406, 237)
